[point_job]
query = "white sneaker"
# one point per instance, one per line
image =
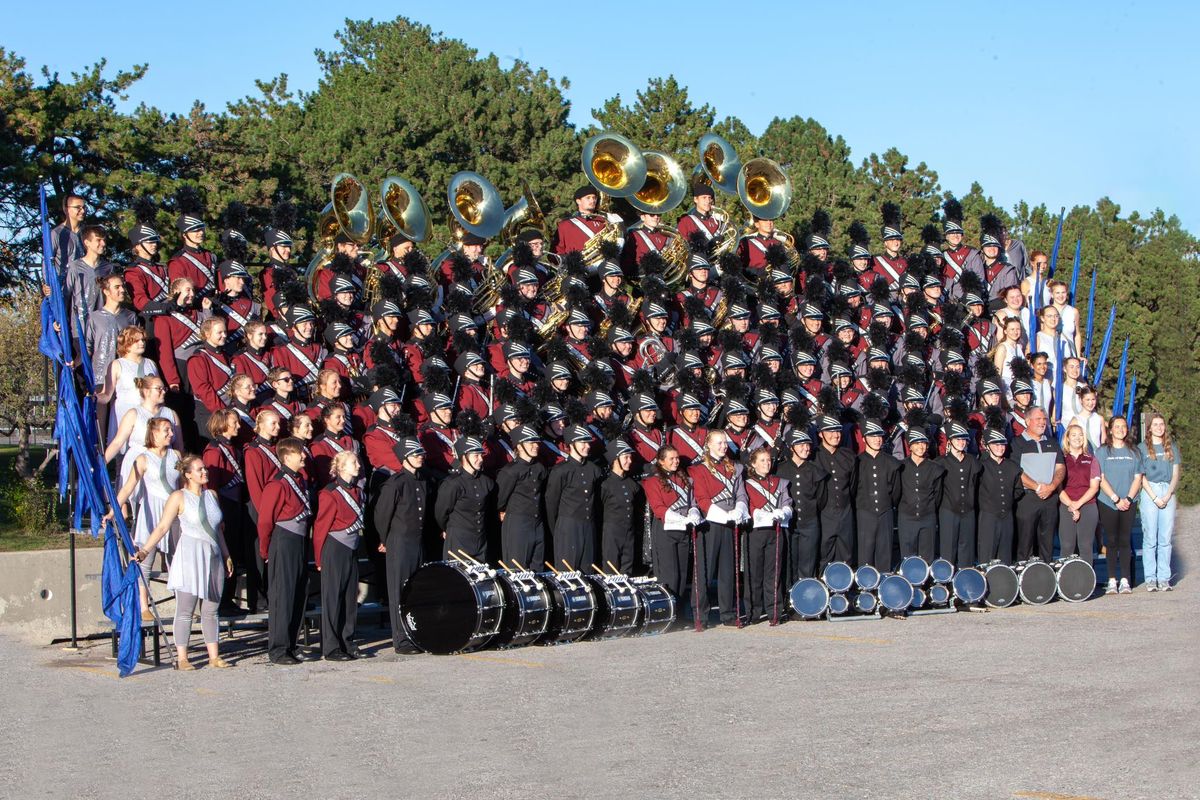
(1151, 586)
(1112, 586)
(1124, 587)
(1165, 586)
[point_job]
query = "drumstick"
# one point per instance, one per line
(613, 568)
(519, 565)
(597, 570)
(568, 565)
(452, 554)
(470, 557)
(552, 569)
(501, 563)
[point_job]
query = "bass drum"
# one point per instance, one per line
(969, 586)
(915, 570)
(895, 593)
(656, 607)
(1036, 582)
(865, 603)
(1002, 587)
(866, 578)
(1076, 579)
(809, 598)
(838, 576)
(617, 607)
(450, 608)
(572, 607)
(526, 609)
(838, 604)
(942, 571)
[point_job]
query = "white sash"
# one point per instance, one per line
(768, 439)
(690, 441)
(767, 496)
(224, 368)
(727, 492)
(302, 496)
(232, 313)
(579, 223)
(193, 331)
(270, 454)
(198, 264)
(646, 439)
(954, 265)
(281, 410)
(448, 441)
(304, 362)
(646, 240)
(255, 360)
(153, 276)
(682, 500)
(708, 235)
(237, 470)
(888, 269)
(754, 240)
(356, 507)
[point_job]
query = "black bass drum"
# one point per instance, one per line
(657, 607)
(1076, 579)
(1002, 587)
(1036, 582)
(448, 607)
(617, 606)
(572, 607)
(526, 609)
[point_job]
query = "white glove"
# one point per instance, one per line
(741, 513)
(763, 518)
(694, 516)
(615, 218)
(674, 521)
(717, 514)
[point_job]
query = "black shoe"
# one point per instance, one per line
(338, 655)
(406, 649)
(355, 653)
(230, 611)
(730, 623)
(285, 660)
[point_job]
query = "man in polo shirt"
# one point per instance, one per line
(1042, 472)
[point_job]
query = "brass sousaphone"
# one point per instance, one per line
(766, 192)
(476, 207)
(664, 189)
(719, 168)
(617, 168)
(348, 211)
(401, 210)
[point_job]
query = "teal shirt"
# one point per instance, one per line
(1119, 466)
(1160, 468)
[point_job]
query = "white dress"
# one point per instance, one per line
(158, 481)
(137, 437)
(196, 567)
(1069, 316)
(127, 395)
(1048, 343)
(1011, 351)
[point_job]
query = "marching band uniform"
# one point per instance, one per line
(673, 517)
(921, 485)
(957, 508)
(400, 516)
(337, 532)
(721, 497)
(640, 240)
(223, 459)
(284, 520)
(806, 486)
(209, 375)
(837, 507)
(573, 232)
(571, 489)
(462, 503)
(770, 511)
(198, 266)
(300, 356)
(877, 491)
(520, 491)
(324, 449)
(622, 502)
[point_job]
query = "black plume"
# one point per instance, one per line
(145, 210)
(415, 261)
(699, 243)
(874, 407)
(236, 216)
(460, 268)
(236, 249)
(858, 234)
(821, 224)
(729, 263)
(522, 255)
(293, 291)
(842, 271)
(880, 379)
(608, 249)
(575, 411)
(953, 210)
(955, 384)
(694, 307)
(651, 264)
(1021, 370)
(798, 416)
(557, 349)
(879, 336)
(380, 352)
(879, 291)
(189, 201)
(954, 315)
(729, 339)
(283, 216)
(383, 373)
(643, 382)
(911, 375)
(341, 264)
(391, 288)
(520, 329)
(995, 418)
(973, 283)
(891, 215)
(956, 410)
(827, 398)
(469, 423)
(776, 256)
(404, 425)
(917, 418)
(505, 393)
(437, 380)
(463, 342)
(931, 234)
(802, 340)
(990, 223)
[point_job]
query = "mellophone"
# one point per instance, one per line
(462, 605)
(934, 588)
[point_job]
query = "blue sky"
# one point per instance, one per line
(1061, 105)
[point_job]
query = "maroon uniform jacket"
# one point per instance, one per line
(392, 266)
(325, 281)
(148, 283)
(890, 269)
(254, 364)
(570, 234)
(284, 408)
(223, 459)
(638, 242)
(236, 311)
(196, 266)
(707, 486)
(380, 442)
(209, 373)
(347, 365)
(737, 441)
(646, 441)
(689, 443)
(178, 336)
(439, 447)
(302, 360)
(323, 450)
(752, 252)
(284, 498)
(269, 284)
(261, 464)
(474, 396)
(678, 497)
(694, 221)
(339, 508)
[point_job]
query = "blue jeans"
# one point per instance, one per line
(1157, 526)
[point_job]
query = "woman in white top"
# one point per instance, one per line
(132, 431)
(1088, 419)
(129, 365)
(1008, 348)
(201, 563)
(1048, 340)
(1068, 315)
(1014, 306)
(1039, 264)
(153, 475)
(1068, 405)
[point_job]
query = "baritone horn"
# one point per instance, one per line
(348, 212)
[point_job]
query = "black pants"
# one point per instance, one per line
(339, 596)
(804, 539)
(241, 537)
(617, 548)
(575, 541)
(995, 538)
(1118, 527)
(764, 570)
(200, 417)
(1036, 519)
(673, 565)
(717, 544)
(837, 535)
(286, 591)
(471, 542)
(957, 534)
(875, 539)
(918, 536)
(523, 539)
(400, 562)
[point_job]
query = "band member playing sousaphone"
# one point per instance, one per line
(721, 496)
(674, 522)
(575, 231)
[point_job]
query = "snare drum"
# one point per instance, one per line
(617, 606)
(657, 607)
(969, 586)
(866, 578)
(895, 593)
(865, 603)
(1036, 582)
(942, 571)
(939, 595)
(526, 609)
(1001, 585)
(838, 576)
(810, 598)
(1076, 579)
(447, 607)
(572, 607)
(915, 570)
(838, 604)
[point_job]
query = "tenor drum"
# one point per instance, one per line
(866, 578)
(915, 570)
(838, 604)
(919, 598)
(617, 606)
(1001, 585)
(895, 593)
(939, 595)
(657, 607)
(810, 598)
(572, 607)
(1036, 582)
(865, 603)
(838, 576)
(969, 586)
(1076, 579)
(526, 609)
(447, 607)
(942, 571)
